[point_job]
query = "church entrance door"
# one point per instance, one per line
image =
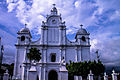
(52, 75)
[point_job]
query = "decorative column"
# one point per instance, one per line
(88, 41)
(76, 55)
(81, 59)
(90, 76)
(105, 76)
(45, 35)
(79, 54)
(44, 72)
(28, 66)
(16, 63)
(18, 40)
(64, 35)
(25, 39)
(114, 75)
(61, 52)
(24, 66)
(64, 53)
(42, 35)
(44, 54)
(40, 72)
(60, 35)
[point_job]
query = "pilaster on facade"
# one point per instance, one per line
(44, 54)
(76, 55)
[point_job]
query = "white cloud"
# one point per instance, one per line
(94, 42)
(11, 7)
(73, 13)
(107, 42)
(116, 15)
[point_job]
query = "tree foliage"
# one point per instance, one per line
(8, 67)
(83, 68)
(34, 54)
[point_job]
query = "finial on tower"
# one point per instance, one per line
(81, 25)
(54, 10)
(54, 5)
(25, 25)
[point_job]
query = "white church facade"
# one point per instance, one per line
(55, 48)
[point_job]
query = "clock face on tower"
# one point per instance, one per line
(54, 21)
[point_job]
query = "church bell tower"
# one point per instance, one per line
(24, 36)
(53, 31)
(82, 36)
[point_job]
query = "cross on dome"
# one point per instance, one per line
(25, 25)
(81, 25)
(54, 5)
(25, 29)
(54, 10)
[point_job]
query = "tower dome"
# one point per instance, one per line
(25, 29)
(82, 30)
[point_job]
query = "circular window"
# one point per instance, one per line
(53, 21)
(22, 38)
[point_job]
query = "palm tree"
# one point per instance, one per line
(34, 54)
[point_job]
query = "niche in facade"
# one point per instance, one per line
(53, 57)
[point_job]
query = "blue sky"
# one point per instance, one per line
(100, 17)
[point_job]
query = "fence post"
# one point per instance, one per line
(6, 75)
(90, 76)
(79, 77)
(114, 75)
(75, 77)
(105, 76)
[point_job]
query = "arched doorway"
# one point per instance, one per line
(52, 75)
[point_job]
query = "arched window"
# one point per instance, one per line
(83, 38)
(53, 57)
(22, 38)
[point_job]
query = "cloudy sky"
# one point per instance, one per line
(100, 17)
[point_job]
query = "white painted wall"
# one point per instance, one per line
(53, 40)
